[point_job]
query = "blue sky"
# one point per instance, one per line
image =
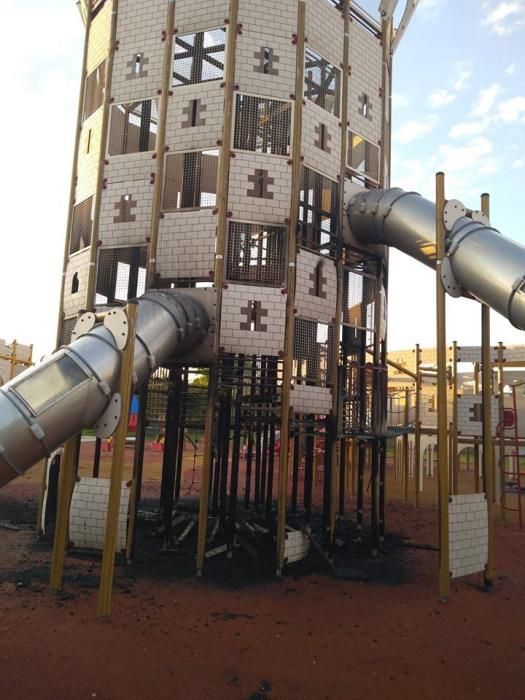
(459, 106)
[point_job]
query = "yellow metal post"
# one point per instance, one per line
(73, 181)
(290, 283)
(501, 439)
(65, 489)
(486, 394)
(417, 429)
(455, 419)
(406, 465)
(160, 145)
(220, 251)
(97, 204)
(117, 467)
(336, 404)
(442, 382)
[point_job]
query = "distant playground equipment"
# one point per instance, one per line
(14, 358)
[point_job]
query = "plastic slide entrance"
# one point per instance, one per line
(71, 390)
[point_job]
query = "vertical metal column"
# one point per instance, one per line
(290, 284)
(72, 187)
(455, 421)
(406, 466)
(136, 480)
(117, 468)
(442, 439)
(65, 489)
(336, 447)
(486, 399)
(90, 287)
(501, 439)
(417, 429)
(160, 147)
(220, 251)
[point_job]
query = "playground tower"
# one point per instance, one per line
(217, 144)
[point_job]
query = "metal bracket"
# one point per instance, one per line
(454, 210)
(480, 217)
(109, 420)
(448, 280)
(116, 321)
(83, 325)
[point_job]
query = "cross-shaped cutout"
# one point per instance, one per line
(124, 206)
(365, 106)
(136, 66)
(261, 181)
(323, 138)
(253, 313)
(193, 113)
(267, 58)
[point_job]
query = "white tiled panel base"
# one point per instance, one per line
(296, 546)
(468, 534)
(87, 518)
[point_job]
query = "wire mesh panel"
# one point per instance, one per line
(133, 127)
(318, 212)
(199, 57)
(321, 82)
(81, 225)
(312, 352)
(262, 125)
(359, 290)
(191, 180)
(157, 397)
(121, 275)
(94, 90)
(68, 324)
(256, 253)
(363, 156)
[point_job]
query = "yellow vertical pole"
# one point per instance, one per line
(12, 359)
(417, 429)
(290, 284)
(336, 404)
(455, 420)
(66, 482)
(442, 440)
(90, 287)
(405, 445)
(501, 439)
(220, 251)
(72, 186)
(487, 463)
(160, 145)
(117, 467)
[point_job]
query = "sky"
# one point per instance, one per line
(459, 106)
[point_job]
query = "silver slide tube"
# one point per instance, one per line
(484, 263)
(70, 390)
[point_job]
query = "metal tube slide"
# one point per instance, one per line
(69, 391)
(484, 263)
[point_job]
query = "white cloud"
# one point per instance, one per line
(510, 70)
(468, 129)
(512, 109)
(430, 9)
(486, 100)
(400, 100)
(463, 75)
(519, 163)
(505, 17)
(440, 98)
(473, 154)
(414, 129)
